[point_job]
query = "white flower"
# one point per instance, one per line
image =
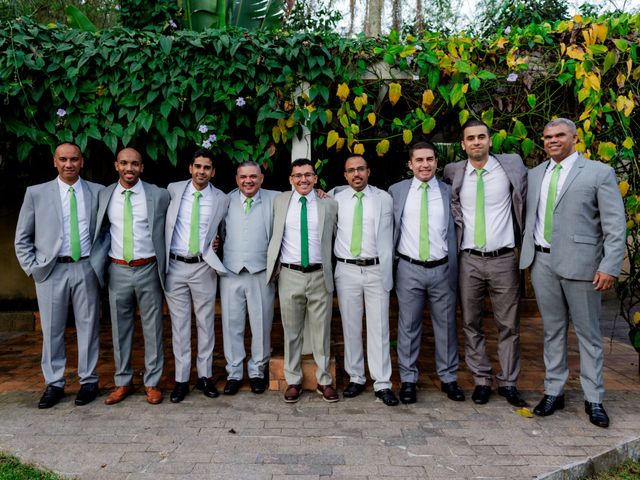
(173, 24)
(212, 138)
(206, 144)
(512, 77)
(61, 112)
(240, 102)
(409, 60)
(418, 47)
(203, 129)
(507, 30)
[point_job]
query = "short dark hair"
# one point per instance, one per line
(474, 122)
(420, 146)
(204, 153)
(356, 155)
(300, 162)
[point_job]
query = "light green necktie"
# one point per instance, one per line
(127, 236)
(356, 231)
(194, 228)
(74, 229)
(480, 227)
(304, 233)
(423, 245)
(551, 202)
(247, 205)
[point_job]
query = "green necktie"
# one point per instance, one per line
(423, 246)
(247, 205)
(356, 231)
(127, 237)
(304, 233)
(194, 228)
(74, 230)
(480, 227)
(551, 202)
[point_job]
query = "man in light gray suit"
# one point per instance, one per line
(53, 241)
(299, 255)
(130, 233)
(425, 242)
(364, 277)
(487, 202)
(574, 242)
(193, 217)
(244, 288)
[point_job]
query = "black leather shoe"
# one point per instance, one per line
(51, 396)
(87, 394)
(387, 397)
(207, 387)
(596, 413)
(408, 392)
(179, 392)
(481, 394)
(512, 395)
(549, 404)
(353, 390)
(232, 386)
(453, 391)
(258, 385)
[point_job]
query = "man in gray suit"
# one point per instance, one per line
(364, 277)
(244, 288)
(487, 202)
(53, 241)
(425, 242)
(299, 254)
(130, 226)
(574, 242)
(193, 217)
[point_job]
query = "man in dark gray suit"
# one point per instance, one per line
(53, 241)
(425, 242)
(487, 201)
(130, 226)
(574, 242)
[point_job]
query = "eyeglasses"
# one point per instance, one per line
(299, 176)
(351, 171)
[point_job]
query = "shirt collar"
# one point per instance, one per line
(433, 183)
(366, 190)
(492, 163)
(243, 197)
(311, 196)
(64, 187)
(567, 163)
(191, 190)
(137, 188)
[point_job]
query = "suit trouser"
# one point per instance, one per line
(358, 287)
(75, 282)
(241, 293)
(188, 283)
(305, 295)
(558, 300)
(126, 285)
(414, 283)
(500, 277)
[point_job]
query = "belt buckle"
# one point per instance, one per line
(360, 262)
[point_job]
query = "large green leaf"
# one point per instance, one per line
(77, 19)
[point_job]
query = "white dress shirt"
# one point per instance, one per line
(83, 224)
(346, 205)
(243, 199)
(182, 231)
(290, 252)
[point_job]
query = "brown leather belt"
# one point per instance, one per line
(138, 262)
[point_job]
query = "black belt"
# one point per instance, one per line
(197, 259)
(299, 268)
(495, 253)
(434, 263)
(361, 262)
(69, 259)
(542, 249)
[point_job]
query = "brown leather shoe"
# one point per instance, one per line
(328, 393)
(154, 395)
(119, 394)
(293, 393)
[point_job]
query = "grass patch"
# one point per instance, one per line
(11, 468)
(629, 470)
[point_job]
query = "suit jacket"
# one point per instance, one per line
(589, 229)
(157, 203)
(327, 217)
(399, 192)
(39, 230)
(220, 203)
(516, 173)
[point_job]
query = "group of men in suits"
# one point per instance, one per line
(457, 238)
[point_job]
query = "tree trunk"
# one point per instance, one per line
(419, 17)
(396, 15)
(373, 20)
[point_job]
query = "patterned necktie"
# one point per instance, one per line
(127, 235)
(194, 227)
(304, 233)
(551, 202)
(74, 229)
(247, 205)
(423, 246)
(356, 230)
(480, 227)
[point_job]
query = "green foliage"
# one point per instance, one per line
(318, 16)
(145, 15)
(11, 468)
(101, 13)
(496, 15)
(252, 15)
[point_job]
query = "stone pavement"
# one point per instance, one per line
(250, 436)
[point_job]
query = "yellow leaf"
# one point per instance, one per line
(587, 123)
(364, 98)
(636, 74)
(577, 18)
(275, 133)
(589, 38)
(606, 150)
(357, 102)
(407, 136)
(636, 319)
(290, 122)
(395, 92)
(585, 115)
(624, 187)
(339, 144)
(465, 88)
(501, 42)
(427, 99)
(593, 80)
(332, 138)
(630, 224)
(525, 412)
(601, 31)
(382, 147)
(563, 49)
(629, 65)
(628, 143)
(310, 108)
(372, 118)
(329, 115)
(355, 129)
(624, 104)
(575, 52)
(358, 149)
(343, 92)
(583, 94)
(581, 147)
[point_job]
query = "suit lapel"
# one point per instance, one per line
(88, 204)
(446, 200)
(458, 177)
(573, 173)
(377, 206)
(404, 192)
(150, 207)
(321, 215)
(55, 191)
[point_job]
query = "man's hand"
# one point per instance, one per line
(321, 193)
(603, 281)
(216, 243)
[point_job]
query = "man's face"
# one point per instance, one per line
(356, 172)
(303, 179)
(559, 141)
(202, 172)
(249, 179)
(68, 161)
(476, 142)
(423, 164)
(129, 167)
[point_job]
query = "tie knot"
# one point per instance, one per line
(480, 171)
(557, 167)
(424, 186)
(249, 201)
(359, 195)
(303, 200)
(127, 193)
(71, 190)
(197, 195)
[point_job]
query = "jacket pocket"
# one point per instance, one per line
(590, 239)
